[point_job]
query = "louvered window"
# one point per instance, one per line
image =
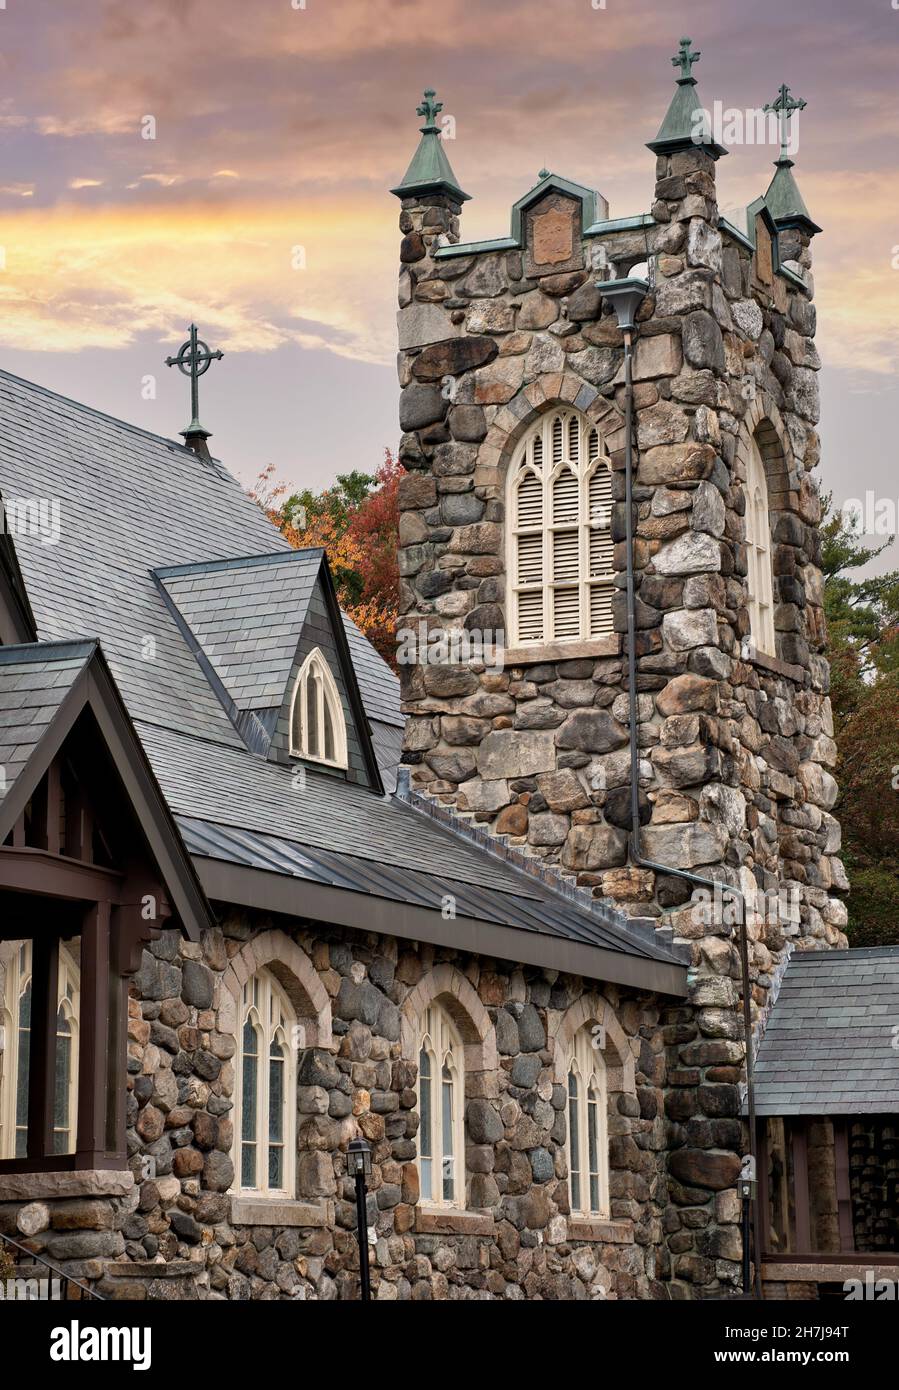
(560, 540)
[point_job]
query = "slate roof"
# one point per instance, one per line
(247, 613)
(133, 503)
(829, 1047)
(34, 681)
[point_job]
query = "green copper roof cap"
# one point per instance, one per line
(430, 170)
(683, 121)
(784, 200)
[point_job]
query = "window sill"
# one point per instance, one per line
(447, 1221)
(774, 665)
(81, 1182)
(562, 651)
(600, 1228)
(280, 1211)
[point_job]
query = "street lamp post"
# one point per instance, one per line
(359, 1159)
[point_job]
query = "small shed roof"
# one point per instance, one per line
(831, 1045)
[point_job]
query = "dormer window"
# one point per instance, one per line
(317, 725)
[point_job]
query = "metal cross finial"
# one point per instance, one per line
(684, 60)
(430, 109)
(785, 105)
(193, 359)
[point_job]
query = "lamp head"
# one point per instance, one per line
(625, 296)
(359, 1157)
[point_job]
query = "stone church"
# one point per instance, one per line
(510, 919)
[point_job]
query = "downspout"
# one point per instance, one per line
(625, 296)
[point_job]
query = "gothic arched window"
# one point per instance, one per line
(441, 1098)
(265, 1111)
(758, 554)
(317, 725)
(559, 548)
(588, 1142)
(15, 1017)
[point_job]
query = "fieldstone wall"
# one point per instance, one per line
(736, 747)
(179, 1232)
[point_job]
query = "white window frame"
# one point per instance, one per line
(17, 961)
(265, 1006)
(561, 441)
(316, 669)
(590, 1106)
(439, 1039)
(759, 580)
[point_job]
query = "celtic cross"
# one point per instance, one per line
(784, 106)
(193, 359)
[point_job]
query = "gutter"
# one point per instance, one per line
(625, 296)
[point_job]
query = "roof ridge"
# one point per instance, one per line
(85, 646)
(101, 414)
(268, 557)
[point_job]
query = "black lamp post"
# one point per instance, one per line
(359, 1161)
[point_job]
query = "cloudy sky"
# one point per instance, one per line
(280, 127)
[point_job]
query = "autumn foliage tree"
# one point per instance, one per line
(863, 627)
(356, 523)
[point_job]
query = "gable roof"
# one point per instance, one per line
(16, 618)
(131, 504)
(251, 621)
(247, 613)
(34, 681)
(44, 689)
(829, 1047)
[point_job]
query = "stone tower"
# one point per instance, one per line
(512, 369)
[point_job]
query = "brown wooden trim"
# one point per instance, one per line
(42, 1044)
(856, 1258)
(93, 1069)
(801, 1213)
(843, 1184)
(54, 808)
(763, 1220)
(56, 876)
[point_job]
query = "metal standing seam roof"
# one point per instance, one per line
(831, 1045)
(507, 899)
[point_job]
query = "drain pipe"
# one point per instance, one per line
(625, 297)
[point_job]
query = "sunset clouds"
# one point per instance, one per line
(279, 128)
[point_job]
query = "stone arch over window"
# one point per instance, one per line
(592, 1009)
(296, 975)
(448, 986)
